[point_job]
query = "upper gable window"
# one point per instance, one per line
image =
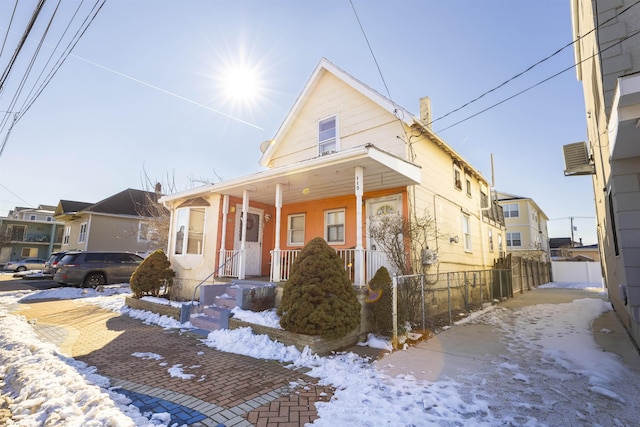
(327, 135)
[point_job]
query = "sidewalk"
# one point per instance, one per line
(223, 388)
(469, 347)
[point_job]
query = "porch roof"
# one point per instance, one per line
(318, 178)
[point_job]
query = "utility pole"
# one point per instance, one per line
(571, 218)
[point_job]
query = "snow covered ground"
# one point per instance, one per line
(553, 372)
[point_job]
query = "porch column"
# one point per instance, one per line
(359, 277)
(223, 238)
(275, 258)
(242, 257)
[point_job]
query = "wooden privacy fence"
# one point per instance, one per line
(526, 273)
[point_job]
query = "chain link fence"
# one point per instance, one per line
(423, 303)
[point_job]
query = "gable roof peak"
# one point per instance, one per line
(326, 66)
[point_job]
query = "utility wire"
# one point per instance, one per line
(6, 36)
(534, 65)
(12, 61)
(539, 83)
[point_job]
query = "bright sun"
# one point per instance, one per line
(241, 83)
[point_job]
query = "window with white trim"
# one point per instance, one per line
(295, 230)
(189, 237)
(67, 234)
(457, 177)
(467, 179)
(490, 240)
(327, 135)
(334, 226)
(82, 237)
(143, 231)
(500, 242)
(514, 239)
(466, 232)
(49, 218)
(511, 210)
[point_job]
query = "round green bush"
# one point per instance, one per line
(152, 275)
(318, 298)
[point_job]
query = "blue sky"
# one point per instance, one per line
(143, 91)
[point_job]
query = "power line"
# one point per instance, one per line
(538, 84)
(532, 66)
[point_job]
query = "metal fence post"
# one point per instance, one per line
(449, 296)
(394, 305)
(423, 308)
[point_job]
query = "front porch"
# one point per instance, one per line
(282, 260)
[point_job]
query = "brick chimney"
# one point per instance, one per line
(425, 111)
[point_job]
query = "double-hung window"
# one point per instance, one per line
(457, 177)
(466, 231)
(514, 239)
(82, 237)
(143, 231)
(327, 135)
(67, 234)
(189, 231)
(295, 230)
(490, 240)
(511, 210)
(334, 226)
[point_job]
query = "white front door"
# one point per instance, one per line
(253, 242)
(376, 208)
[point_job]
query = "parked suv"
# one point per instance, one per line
(91, 269)
(52, 263)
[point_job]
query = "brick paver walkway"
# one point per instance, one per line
(227, 388)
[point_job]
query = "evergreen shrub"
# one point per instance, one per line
(319, 298)
(152, 276)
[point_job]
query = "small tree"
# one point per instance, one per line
(318, 298)
(152, 275)
(404, 240)
(381, 308)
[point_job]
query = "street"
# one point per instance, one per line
(10, 283)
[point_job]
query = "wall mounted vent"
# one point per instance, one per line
(577, 160)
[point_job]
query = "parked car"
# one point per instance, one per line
(51, 265)
(25, 264)
(91, 269)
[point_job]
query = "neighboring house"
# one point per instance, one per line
(608, 57)
(344, 156)
(563, 249)
(28, 233)
(526, 226)
(121, 222)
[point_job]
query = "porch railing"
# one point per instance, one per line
(231, 266)
(373, 261)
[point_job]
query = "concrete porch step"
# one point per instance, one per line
(208, 323)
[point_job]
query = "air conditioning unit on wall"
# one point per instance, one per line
(577, 160)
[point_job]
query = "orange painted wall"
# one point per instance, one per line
(314, 221)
